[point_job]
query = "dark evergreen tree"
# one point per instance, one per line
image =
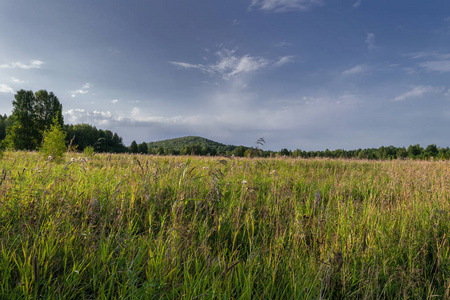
(133, 147)
(143, 148)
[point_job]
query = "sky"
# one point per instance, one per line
(302, 74)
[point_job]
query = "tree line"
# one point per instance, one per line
(382, 153)
(34, 113)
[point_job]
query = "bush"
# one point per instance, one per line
(54, 143)
(88, 151)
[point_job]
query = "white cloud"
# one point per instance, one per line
(135, 111)
(4, 88)
(115, 101)
(370, 41)
(244, 65)
(189, 66)
(432, 61)
(286, 5)
(15, 80)
(356, 70)
(230, 65)
(418, 91)
(82, 91)
(437, 65)
(33, 64)
(78, 92)
(76, 116)
(283, 60)
(357, 3)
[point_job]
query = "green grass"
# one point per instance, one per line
(130, 226)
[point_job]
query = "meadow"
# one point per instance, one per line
(147, 227)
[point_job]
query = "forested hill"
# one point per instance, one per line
(190, 144)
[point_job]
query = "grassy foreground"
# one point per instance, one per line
(124, 226)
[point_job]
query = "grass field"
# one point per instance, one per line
(130, 226)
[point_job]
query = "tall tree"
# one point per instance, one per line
(47, 108)
(133, 147)
(32, 114)
(22, 134)
(143, 148)
(3, 124)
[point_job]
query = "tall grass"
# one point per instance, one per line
(131, 226)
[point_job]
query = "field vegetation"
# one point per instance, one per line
(129, 226)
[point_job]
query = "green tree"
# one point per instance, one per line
(54, 143)
(85, 135)
(3, 124)
(415, 151)
(284, 152)
(239, 151)
(431, 151)
(32, 114)
(143, 148)
(402, 153)
(47, 110)
(134, 147)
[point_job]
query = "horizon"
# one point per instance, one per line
(303, 74)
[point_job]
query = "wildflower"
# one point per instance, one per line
(244, 181)
(73, 159)
(50, 157)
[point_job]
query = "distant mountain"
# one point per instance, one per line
(179, 144)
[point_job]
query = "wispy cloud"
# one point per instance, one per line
(15, 80)
(286, 5)
(436, 65)
(284, 60)
(357, 3)
(357, 70)
(190, 66)
(33, 64)
(429, 54)
(4, 88)
(283, 44)
(370, 41)
(432, 61)
(115, 101)
(230, 65)
(419, 91)
(82, 91)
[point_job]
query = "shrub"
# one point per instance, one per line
(88, 151)
(54, 143)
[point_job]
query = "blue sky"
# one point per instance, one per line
(308, 74)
